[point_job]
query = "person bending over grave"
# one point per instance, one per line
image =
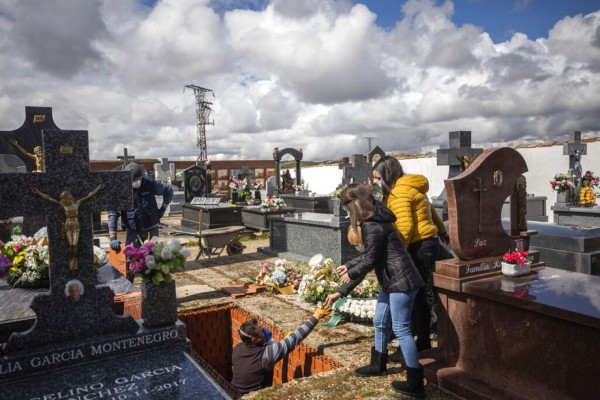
(37, 155)
(254, 358)
(420, 225)
(70, 228)
(373, 233)
(142, 222)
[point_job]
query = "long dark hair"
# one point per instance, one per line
(390, 170)
(359, 201)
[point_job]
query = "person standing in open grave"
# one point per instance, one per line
(142, 222)
(254, 358)
(420, 225)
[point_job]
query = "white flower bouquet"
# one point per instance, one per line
(357, 310)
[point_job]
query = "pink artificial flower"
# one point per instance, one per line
(264, 268)
(137, 266)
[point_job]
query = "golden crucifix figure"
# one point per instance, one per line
(465, 161)
(70, 227)
(37, 155)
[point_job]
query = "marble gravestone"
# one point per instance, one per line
(502, 337)
(476, 197)
(78, 346)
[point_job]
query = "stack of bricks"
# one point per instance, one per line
(128, 303)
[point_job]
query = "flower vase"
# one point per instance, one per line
(234, 197)
(286, 290)
(516, 269)
(563, 197)
(297, 193)
(159, 304)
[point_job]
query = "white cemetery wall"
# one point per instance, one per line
(543, 164)
(322, 180)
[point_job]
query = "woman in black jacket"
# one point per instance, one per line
(372, 232)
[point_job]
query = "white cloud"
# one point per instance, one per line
(315, 74)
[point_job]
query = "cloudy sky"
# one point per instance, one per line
(317, 74)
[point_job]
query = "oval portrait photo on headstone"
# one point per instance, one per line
(74, 289)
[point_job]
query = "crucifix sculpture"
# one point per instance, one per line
(70, 228)
(67, 177)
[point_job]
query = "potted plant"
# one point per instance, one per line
(562, 185)
(587, 195)
(154, 262)
(515, 263)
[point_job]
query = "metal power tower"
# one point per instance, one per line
(202, 113)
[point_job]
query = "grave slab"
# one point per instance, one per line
(504, 337)
(305, 203)
(257, 218)
(572, 248)
(156, 375)
(219, 216)
(302, 235)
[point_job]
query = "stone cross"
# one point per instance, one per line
(59, 317)
(165, 171)
(459, 150)
(125, 157)
(575, 149)
(459, 147)
(359, 171)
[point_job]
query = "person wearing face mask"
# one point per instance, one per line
(254, 358)
(142, 221)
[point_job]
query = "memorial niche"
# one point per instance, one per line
(277, 156)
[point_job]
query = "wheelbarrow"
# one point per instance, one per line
(212, 242)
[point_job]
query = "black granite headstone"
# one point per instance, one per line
(29, 135)
(196, 182)
(77, 347)
(67, 169)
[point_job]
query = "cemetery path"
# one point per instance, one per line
(348, 343)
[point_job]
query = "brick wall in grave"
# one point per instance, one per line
(213, 333)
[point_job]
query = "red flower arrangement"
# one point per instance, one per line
(516, 257)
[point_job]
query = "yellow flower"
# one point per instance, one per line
(14, 269)
(587, 196)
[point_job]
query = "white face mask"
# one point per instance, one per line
(137, 184)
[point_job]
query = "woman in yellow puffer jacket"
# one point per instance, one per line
(419, 225)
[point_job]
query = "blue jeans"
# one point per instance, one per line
(398, 308)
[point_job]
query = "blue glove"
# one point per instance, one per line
(115, 245)
(268, 335)
(161, 212)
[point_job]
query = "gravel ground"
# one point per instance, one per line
(349, 344)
